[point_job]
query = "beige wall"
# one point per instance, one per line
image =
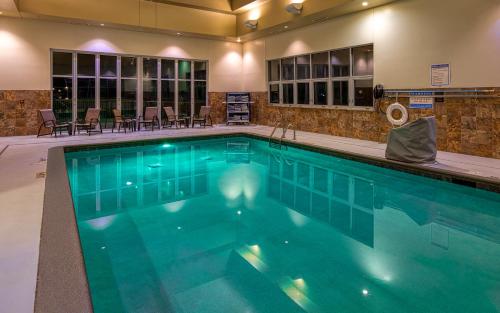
(25, 51)
(409, 36)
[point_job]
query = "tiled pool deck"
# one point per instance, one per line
(21, 192)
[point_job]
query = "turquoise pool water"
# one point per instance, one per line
(232, 225)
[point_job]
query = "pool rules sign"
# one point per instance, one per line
(440, 75)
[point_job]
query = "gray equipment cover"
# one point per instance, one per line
(414, 142)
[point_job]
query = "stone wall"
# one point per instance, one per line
(19, 111)
(465, 125)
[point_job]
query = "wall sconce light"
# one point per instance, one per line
(252, 24)
(294, 8)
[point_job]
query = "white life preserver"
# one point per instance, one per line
(404, 114)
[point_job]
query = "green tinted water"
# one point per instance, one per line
(232, 225)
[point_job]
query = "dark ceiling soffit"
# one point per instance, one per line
(199, 7)
(238, 4)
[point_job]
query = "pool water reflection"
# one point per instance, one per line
(232, 225)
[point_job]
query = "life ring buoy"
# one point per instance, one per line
(404, 114)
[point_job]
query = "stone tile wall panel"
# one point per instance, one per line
(464, 125)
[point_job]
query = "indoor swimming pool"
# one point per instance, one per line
(234, 225)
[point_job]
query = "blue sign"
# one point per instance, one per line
(421, 100)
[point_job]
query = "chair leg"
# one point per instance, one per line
(39, 129)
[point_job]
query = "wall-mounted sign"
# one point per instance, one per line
(440, 75)
(421, 100)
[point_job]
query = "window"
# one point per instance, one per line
(287, 69)
(342, 77)
(62, 98)
(82, 80)
(62, 64)
(200, 70)
(149, 83)
(62, 86)
(184, 92)
(303, 93)
(85, 84)
(107, 93)
(167, 85)
(340, 92)
(320, 93)
(362, 61)
(108, 88)
(274, 93)
(363, 92)
(340, 61)
(108, 66)
(320, 65)
(288, 94)
(274, 70)
(303, 67)
(200, 85)
(129, 86)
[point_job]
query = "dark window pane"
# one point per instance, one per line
(274, 93)
(184, 98)
(62, 92)
(287, 68)
(288, 93)
(62, 63)
(274, 70)
(108, 66)
(129, 97)
(149, 93)
(108, 101)
(85, 96)
(340, 61)
(303, 67)
(167, 93)
(168, 69)
(86, 64)
(362, 60)
(320, 93)
(200, 95)
(149, 68)
(363, 92)
(341, 92)
(320, 65)
(129, 67)
(302, 93)
(184, 69)
(200, 70)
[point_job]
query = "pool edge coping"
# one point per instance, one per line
(62, 283)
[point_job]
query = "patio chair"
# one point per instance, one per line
(120, 122)
(49, 121)
(91, 123)
(203, 117)
(172, 119)
(150, 118)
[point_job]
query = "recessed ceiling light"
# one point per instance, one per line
(101, 24)
(286, 26)
(365, 4)
(238, 40)
(178, 34)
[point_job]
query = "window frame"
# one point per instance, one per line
(329, 80)
(119, 78)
